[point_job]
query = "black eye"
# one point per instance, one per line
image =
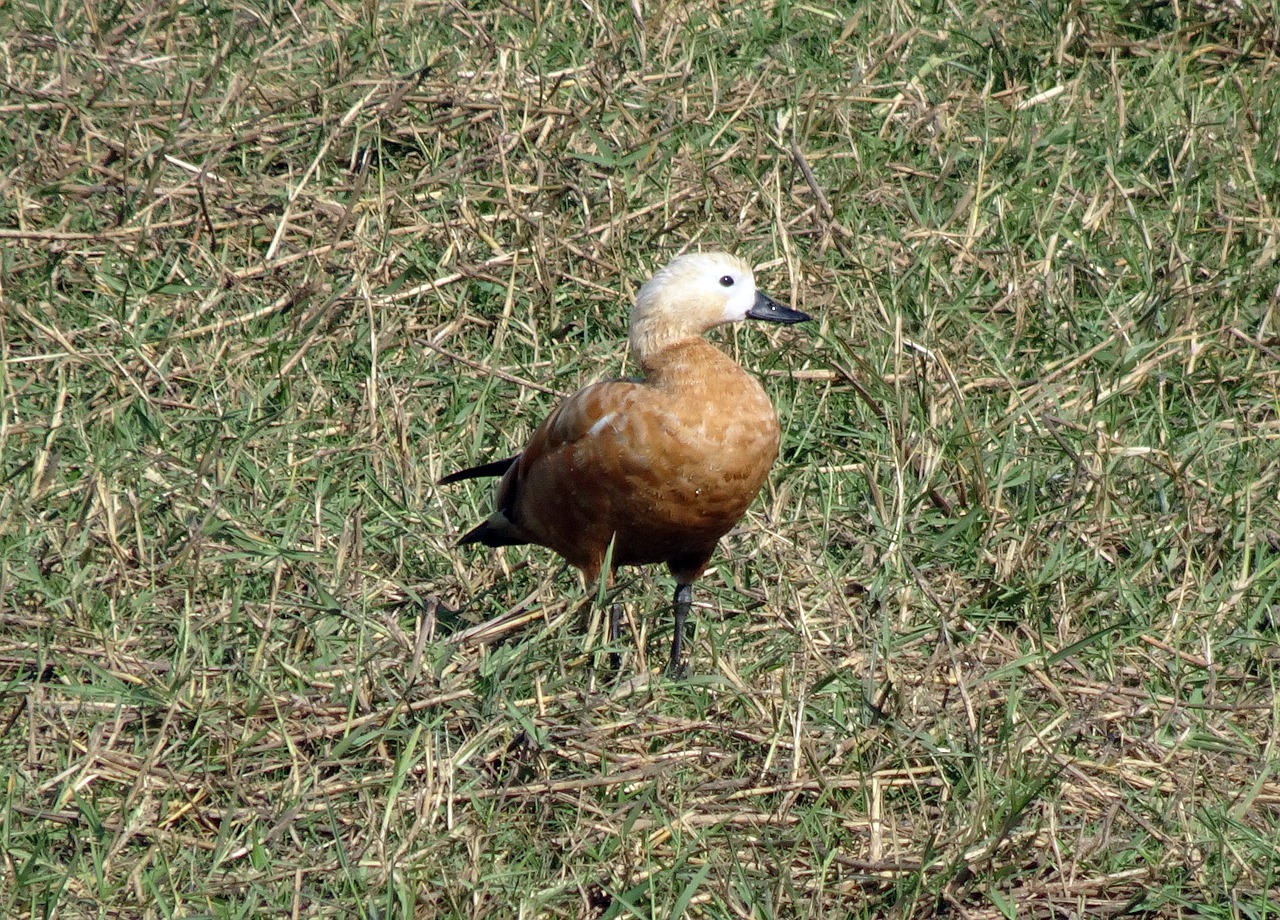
(726, 281)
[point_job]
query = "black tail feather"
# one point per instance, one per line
(496, 468)
(489, 535)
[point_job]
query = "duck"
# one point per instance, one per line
(657, 468)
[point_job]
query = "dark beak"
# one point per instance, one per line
(769, 310)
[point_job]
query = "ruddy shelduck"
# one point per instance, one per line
(655, 469)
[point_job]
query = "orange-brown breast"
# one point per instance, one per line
(669, 464)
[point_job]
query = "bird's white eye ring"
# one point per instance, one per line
(726, 281)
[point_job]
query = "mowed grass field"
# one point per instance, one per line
(1001, 637)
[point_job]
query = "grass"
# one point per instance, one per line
(999, 639)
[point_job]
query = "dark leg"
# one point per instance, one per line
(615, 630)
(680, 607)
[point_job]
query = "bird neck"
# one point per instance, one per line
(687, 362)
(650, 337)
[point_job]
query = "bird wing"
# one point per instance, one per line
(588, 435)
(561, 491)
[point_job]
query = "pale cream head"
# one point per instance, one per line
(691, 294)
